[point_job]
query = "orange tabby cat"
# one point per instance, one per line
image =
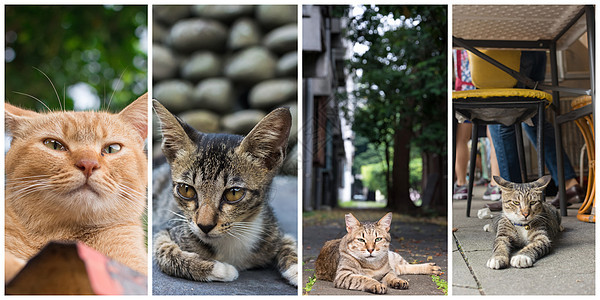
(76, 176)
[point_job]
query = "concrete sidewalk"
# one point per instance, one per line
(417, 240)
(569, 269)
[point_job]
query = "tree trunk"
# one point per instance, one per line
(400, 201)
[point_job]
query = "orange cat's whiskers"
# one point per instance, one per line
(53, 87)
(34, 98)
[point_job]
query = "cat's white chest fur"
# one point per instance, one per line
(523, 233)
(237, 249)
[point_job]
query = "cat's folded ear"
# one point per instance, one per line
(174, 137)
(351, 222)
(542, 182)
(13, 116)
(385, 222)
(136, 115)
(268, 139)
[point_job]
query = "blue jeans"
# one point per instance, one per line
(533, 64)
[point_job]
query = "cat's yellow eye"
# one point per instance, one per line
(234, 195)
(112, 148)
(378, 239)
(54, 145)
(361, 240)
(516, 202)
(185, 191)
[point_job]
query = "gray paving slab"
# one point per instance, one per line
(268, 281)
(417, 242)
(568, 270)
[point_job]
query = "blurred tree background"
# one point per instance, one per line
(398, 106)
(94, 56)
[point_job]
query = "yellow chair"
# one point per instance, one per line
(495, 101)
(586, 126)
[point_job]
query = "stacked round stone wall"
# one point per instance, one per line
(223, 68)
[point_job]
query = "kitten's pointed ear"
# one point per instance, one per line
(13, 116)
(268, 140)
(501, 182)
(385, 221)
(351, 222)
(174, 137)
(136, 115)
(542, 182)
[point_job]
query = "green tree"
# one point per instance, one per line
(400, 96)
(101, 46)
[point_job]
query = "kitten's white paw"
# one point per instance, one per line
(496, 262)
(223, 272)
(521, 261)
(291, 274)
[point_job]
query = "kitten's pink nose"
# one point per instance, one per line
(87, 166)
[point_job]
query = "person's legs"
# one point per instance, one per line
(463, 135)
(505, 146)
(493, 191)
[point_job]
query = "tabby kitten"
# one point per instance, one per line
(527, 223)
(220, 183)
(361, 260)
(76, 176)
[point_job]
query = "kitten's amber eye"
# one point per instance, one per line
(235, 194)
(112, 148)
(378, 239)
(362, 240)
(186, 192)
(54, 145)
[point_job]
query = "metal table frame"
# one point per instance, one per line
(589, 12)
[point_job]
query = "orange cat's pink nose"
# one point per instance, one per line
(87, 166)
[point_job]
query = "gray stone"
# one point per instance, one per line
(159, 33)
(223, 13)
(164, 63)
(242, 122)
(198, 34)
(287, 65)
(290, 164)
(244, 33)
(174, 94)
(277, 15)
(201, 65)
(202, 120)
(282, 39)
(271, 93)
(251, 65)
(215, 94)
(170, 13)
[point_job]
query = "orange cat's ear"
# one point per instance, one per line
(13, 116)
(174, 137)
(351, 223)
(136, 115)
(268, 139)
(385, 222)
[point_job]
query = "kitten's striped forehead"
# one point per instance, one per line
(213, 157)
(521, 192)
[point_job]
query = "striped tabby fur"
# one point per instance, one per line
(527, 223)
(361, 260)
(218, 232)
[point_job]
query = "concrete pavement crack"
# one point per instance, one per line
(462, 253)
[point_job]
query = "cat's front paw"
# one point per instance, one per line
(291, 274)
(223, 272)
(521, 261)
(376, 288)
(497, 262)
(399, 284)
(434, 269)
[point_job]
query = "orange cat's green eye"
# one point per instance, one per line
(186, 192)
(54, 145)
(378, 239)
(112, 148)
(361, 240)
(235, 194)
